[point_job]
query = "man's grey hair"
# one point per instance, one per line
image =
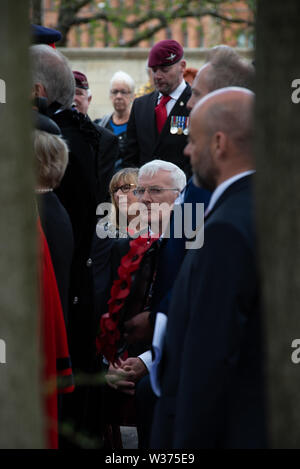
(52, 70)
(122, 77)
(228, 69)
(152, 168)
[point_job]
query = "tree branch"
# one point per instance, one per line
(186, 9)
(161, 16)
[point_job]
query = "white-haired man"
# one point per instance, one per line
(159, 183)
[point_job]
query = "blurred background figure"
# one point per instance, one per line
(148, 87)
(83, 94)
(189, 74)
(42, 35)
(121, 95)
(107, 143)
(51, 154)
(55, 257)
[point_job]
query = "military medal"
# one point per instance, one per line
(186, 128)
(181, 125)
(174, 125)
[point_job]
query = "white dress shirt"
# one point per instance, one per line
(174, 96)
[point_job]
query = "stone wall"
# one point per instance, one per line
(100, 64)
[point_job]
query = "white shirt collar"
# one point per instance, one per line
(177, 92)
(222, 188)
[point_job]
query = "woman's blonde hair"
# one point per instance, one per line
(52, 157)
(124, 176)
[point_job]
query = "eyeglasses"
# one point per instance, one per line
(153, 191)
(123, 92)
(125, 188)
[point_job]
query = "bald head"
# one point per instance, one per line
(221, 135)
(228, 110)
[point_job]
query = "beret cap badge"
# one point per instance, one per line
(171, 57)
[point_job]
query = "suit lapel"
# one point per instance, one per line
(238, 185)
(151, 116)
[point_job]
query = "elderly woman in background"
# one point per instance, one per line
(121, 95)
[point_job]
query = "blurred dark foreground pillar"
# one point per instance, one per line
(21, 423)
(278, 209)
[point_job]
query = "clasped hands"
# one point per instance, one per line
(123, 377)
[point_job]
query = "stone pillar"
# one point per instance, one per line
(20, 394)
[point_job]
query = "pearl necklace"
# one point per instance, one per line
(43, 191)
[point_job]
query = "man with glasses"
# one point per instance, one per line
(158, 123)
(159, 184)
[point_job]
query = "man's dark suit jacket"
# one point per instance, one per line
(144, 143)
(212, 365)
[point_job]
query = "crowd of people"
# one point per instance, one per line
(164, 333)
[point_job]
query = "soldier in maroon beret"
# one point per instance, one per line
(158, 123)
(83, 95)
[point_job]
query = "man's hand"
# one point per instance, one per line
(123, 378)
(138, 329)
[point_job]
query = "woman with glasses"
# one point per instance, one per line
(122, 190)
(121, 95)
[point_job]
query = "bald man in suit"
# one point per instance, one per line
(212, 369)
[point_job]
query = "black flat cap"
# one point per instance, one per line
(42, 35)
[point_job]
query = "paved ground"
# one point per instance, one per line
(129, 437)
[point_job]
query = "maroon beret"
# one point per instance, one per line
(166, 52)
(81, 80)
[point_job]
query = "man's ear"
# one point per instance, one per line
(39, 91)
(218, 145)
(90, 99)
(183, 65)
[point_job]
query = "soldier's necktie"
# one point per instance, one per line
(161, 112)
